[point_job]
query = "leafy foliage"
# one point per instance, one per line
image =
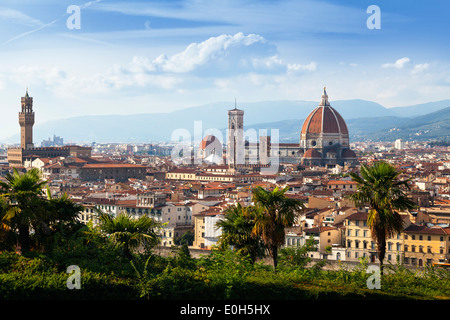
(237, 228)
(275, 212)
(129, 233)
(380, 187)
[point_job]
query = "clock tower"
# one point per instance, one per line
(26, 121)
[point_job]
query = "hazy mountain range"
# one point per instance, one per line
(365, 120)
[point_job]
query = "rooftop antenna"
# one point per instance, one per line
(235, 107)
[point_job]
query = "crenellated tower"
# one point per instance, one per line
(26, 121)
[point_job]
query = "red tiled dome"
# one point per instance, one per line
(207, 141)
(324, 119)
(311, 153)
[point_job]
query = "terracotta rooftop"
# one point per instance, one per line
(111, 165)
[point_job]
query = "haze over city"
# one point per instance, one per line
(158, 56)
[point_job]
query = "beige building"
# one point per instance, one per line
(425, 244)
(181, 174)
(359, 242)
(199, 230)
(417, 245)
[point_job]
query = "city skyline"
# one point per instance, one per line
(146, 57)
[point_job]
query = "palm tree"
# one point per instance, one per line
(128, 232)
(237, 231)
(275, 213)
(22, 196)
(59, 215)
(379, 187)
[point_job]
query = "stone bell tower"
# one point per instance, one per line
(235, 143)
(26, 121)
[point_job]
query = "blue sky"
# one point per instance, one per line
(158, 56)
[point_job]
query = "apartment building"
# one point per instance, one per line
(426, 244)
(205, 231)
(359, 242)
(416, 245)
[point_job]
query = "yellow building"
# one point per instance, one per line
(417, 245)
(199, 230)
(359, 242)
(181, 174)
(89, 213)
(425, 244)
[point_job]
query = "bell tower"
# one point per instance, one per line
(26, 121)
(235, 143)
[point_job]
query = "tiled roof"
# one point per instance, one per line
(414, 228)
(111, 165)
(324, 119)
(358, 216)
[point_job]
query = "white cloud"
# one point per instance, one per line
(214, 54)
(219, 57)
(293, 68)
(420, 67)
(399, 64)
(225, 64)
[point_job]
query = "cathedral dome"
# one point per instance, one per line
(324, 119)
(209, 140)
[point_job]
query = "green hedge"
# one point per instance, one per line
(219, 276)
